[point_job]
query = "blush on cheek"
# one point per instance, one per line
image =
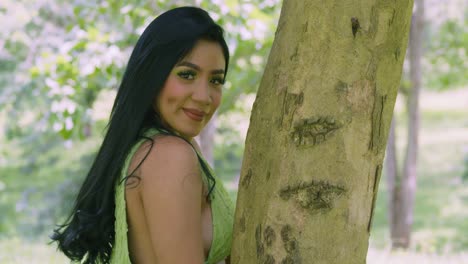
(216, 102)
(171, 100)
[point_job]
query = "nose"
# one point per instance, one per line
(201, 93)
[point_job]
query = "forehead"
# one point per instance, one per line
(207, 54)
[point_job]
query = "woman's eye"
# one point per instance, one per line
(188, 75)
(217, 81)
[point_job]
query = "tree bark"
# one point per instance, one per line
(405, 192)
(318, 132)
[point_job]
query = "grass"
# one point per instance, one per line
(19, 251)
(376, 256)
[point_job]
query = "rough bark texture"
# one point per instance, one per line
(318, 131)
(405, 186)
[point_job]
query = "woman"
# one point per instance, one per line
(149, 197)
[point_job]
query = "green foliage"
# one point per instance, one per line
(465, 165)
(39, 189)
(250, 30)
(57, 57)
(228, 155)
(81, 47)
(447, 56)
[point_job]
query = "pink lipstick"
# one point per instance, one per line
(194, 114)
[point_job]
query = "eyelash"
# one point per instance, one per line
(218, 80)
(190, 75)
(186, 74)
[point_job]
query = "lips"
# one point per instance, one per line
(194, 114)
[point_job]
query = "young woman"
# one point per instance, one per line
(149, 196)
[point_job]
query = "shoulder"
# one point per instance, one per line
(168, 199)
(171, 143)
(162, 148)
(167, 158)
(171, 149)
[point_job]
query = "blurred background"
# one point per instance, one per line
(60, 65)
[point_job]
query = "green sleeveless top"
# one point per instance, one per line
(222, 211)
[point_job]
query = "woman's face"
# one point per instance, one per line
(192, 91)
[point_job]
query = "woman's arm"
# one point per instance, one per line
(171, 194)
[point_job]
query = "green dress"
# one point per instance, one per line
(222, 210)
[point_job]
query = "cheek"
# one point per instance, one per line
(172, 93)
(216, 99)
(170, 100)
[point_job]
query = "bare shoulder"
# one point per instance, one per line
(164, 149)
(173, 144)
(173, 150)
(169, 158)
(170, 194)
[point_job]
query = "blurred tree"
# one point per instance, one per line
(445, 68)
(402, 186)
(318, 131)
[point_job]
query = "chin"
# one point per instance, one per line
(189, 130)
(189, 133)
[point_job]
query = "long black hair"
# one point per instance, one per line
(88, 233)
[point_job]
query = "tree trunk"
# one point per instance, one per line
(318, 132)
(401, 235)
(87, 129)
(395, 205)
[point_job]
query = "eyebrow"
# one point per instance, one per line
(196, 67)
